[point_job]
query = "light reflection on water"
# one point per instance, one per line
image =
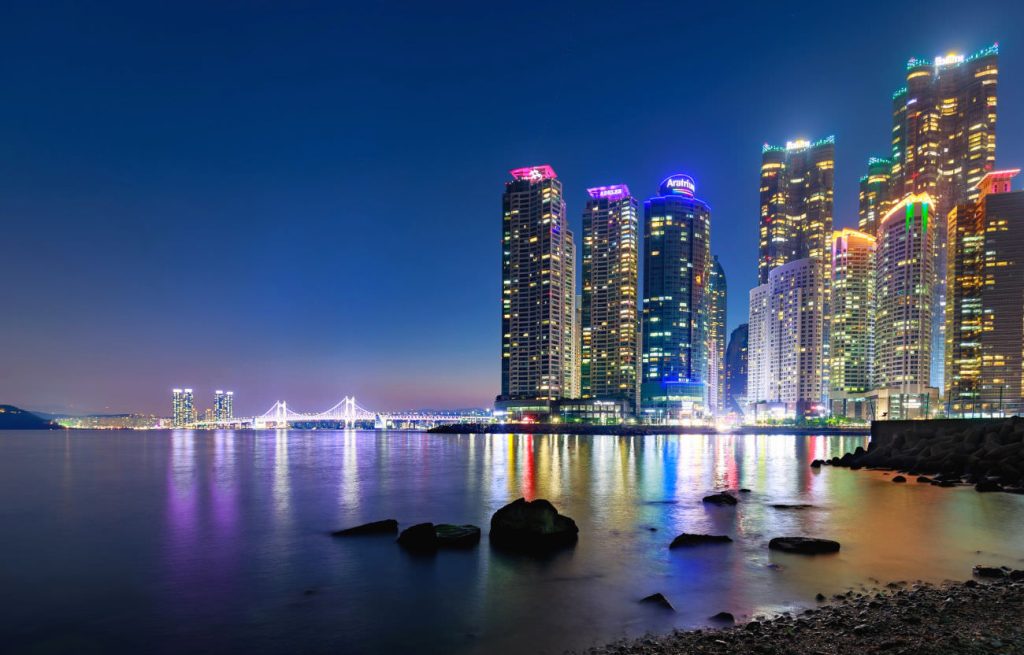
(207, 542)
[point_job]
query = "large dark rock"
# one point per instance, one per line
(804, 545)
(988, 486)
(420, 537)
(387, 526)
(534, 525)
(721, 498)
(991, 571)
(659, 600)
(456, 536)
(899, 478)
(686, 539)
(724, 617)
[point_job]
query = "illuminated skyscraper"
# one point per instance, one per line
(736, 371)
(223, 405)
(874, 194)
(786, 356)
(796, 204)
(717, 308)
(184, 412)
(610, 314)
(944, 141)
(538, 289)
(904, 282)
(985, 302)
(853, 304)
(676, 313)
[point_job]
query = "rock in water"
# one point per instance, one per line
(687, 539)
(534, 525)
(899, 478)
(387, 526)
(456, 536)
(721, 498)
(724, 617)
(987, 486)
(804, 545)
(990, 572)
(659, 600)
(420, 537)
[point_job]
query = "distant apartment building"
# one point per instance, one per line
(538, 312)
(223, 405)
(717, 319)
(183, 407)
(985, 301)
(676, 313)
(610, 319)
(852, 336)
(736, 371)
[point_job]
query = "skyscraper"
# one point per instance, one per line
(717, 308)
(677, 267)
(223, 405)
(796, 204)
(786, 356)
(610, 314)
(944, 141)
(985, 302)
(736, 371)
(905, 277)
(184, 412)
(853, 303)
(874, 194)
(538, 289)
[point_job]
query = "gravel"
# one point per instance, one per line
(961, 618)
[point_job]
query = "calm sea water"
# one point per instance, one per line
(164, 542)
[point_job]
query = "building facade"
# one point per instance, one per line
(985, 301)
(736, 371)
(944, 142)
(874, 195)
(796, 204)
(853, 301)
(610, 319)
(675, 319)
(904, 284)
(787, 354)
(183, 407)
(717, 320)
(539, 332)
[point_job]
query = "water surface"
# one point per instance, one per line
(172, 542)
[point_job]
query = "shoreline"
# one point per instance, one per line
(639, 430)
(953, 617)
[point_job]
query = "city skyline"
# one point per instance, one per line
(295, 345)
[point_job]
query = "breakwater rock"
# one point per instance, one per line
(532, 526)
(989, 452)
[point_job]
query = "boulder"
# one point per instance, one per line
(456, 536)
(924, 479)
(790, 506)
(724, 617)
(899, 478)
(987, 486)
(420, 537)
(804, 545)
(990, 571)
(686, 539)
(659, 600)
(534, 525)
(387, 526)
(722, 498)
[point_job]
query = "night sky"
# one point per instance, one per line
(303, 201)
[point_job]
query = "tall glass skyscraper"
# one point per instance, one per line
(676, 311)
(538, 292)
(944, 142)
(874, 195)
(853, 303)
(736, 371)
(610, 313)
(223, 405)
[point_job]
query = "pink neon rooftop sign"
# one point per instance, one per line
(533, 173)
(612, 192)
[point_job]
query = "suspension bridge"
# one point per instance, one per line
(347, 413)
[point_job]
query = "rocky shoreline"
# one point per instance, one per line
(955, 617)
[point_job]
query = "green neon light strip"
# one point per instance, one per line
(910, 214)
(924, 217)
